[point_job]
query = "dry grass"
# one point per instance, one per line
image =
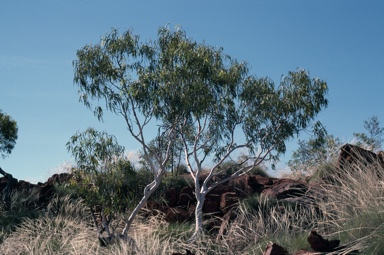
(62, 230)
(357, 206)
(352, 211)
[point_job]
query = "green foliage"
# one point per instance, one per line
(158, 148)
(314, 152)
(176, 182)
(23, 206)
(271, 116)
(199, 98)
(180, 169)
(8, 134)
(259, 170)
(251, 204)
(102, 177)
(185, 85)
(115, 190)
(326, 172)
(230, 167)
(94, 151)
(375, 136)
(367, 226)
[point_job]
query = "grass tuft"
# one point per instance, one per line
(347, 205)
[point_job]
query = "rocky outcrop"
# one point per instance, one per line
(219, 204)
(44, 191)
(319, 245)
(351, 154)
(285, 188)
(188, 252)
(60, 179)
(275, 249)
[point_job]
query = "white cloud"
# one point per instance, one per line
(134, 157)
(17, 61)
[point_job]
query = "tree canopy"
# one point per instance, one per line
(198, 96)
(375, 136)
(312, 153)
(8, 134)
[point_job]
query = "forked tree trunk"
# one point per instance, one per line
(111, 238)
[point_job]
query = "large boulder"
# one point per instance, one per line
(188, 252)
(228, 200)
(245, 185)
(318, 243)
(187, 196)
(275, 249)
(285, 188)
(212, 204)
(172, 197)
(177, 214)
(351, 154)
(60, 179)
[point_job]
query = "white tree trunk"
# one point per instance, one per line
(199, 218)
(200, 197)
(149, 189)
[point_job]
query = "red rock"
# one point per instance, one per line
(228, 200)
(172, 197)
(176, 215)
(46, 193)
(318, 243)
(275, 249)
(186, 196)
(188, 252)
(286, 188)
(352, 154)
(61, 178)
(264, 180)
(211, 205)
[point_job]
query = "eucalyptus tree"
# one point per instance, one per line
(248, 114)
(196, 94)
(134, 80)
(8, 137)
(98, 175)
(8, 134)
(312, 153)
(375, 136)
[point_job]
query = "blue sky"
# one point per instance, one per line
(341, 42)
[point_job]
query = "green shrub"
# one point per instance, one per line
(325, 171)
(172, 182)
(24, 205)
(259, 171)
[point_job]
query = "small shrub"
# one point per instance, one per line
(326, 171)
(175, 182)
(259, 171)
(23, 206)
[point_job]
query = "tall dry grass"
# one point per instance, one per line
(356, 202)
(347, 205)
(62, 229)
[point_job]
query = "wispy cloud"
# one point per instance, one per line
(134, 157)
(20, 61)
